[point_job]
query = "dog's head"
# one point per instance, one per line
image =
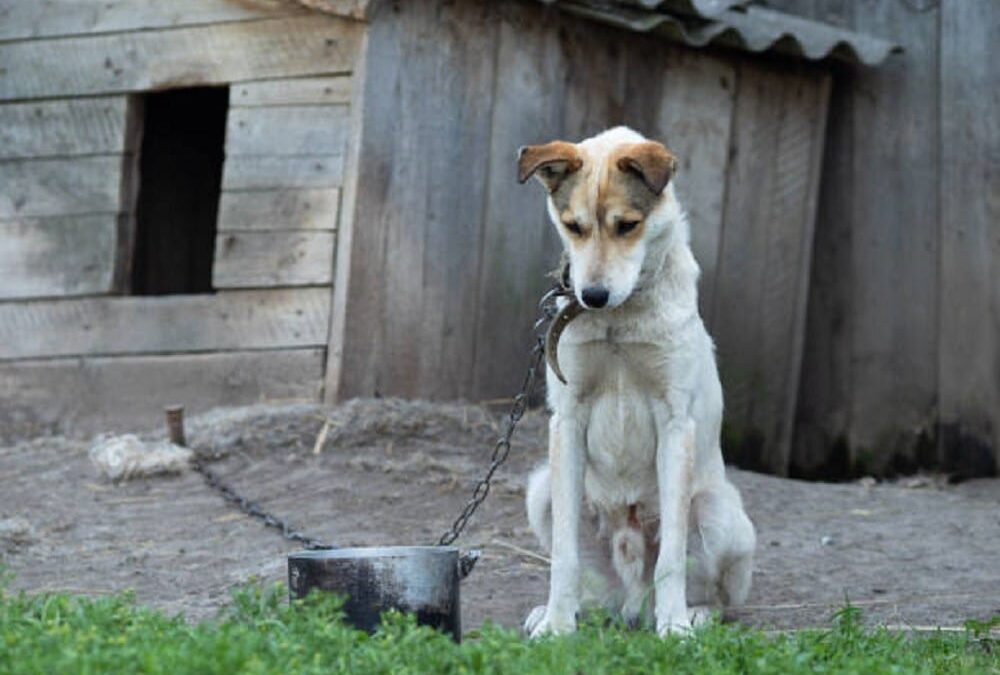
(603, 194)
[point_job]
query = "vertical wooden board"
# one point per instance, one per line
(53, 187)
(894, 257)
(128, 393)
(61, 128)
(819, 448)
(159, 59)
(692, 114)
(293, 91)
(272, 259)
(57, 256)
(789, 230)
(357, 343)
(647, 60)
(402, 214)
(418, 204)
(969, 363)
(287, 130)
(279, 210)
(595, 78)
(343, 301)
(742, 267)
(519, 243)
(20, 20)
(455, 152)
(128, 192)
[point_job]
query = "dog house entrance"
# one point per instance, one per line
(179, 177)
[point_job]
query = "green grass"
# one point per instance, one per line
(260, 633)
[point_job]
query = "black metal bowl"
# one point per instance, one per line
(423, 580)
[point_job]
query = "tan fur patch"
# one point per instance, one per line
(553, 162)
(650, 161)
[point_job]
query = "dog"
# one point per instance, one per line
(633, 503)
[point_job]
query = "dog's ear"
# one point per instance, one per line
(552, 162)
(649, 161)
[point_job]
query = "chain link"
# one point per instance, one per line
(254, 510)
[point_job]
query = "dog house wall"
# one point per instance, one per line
(443, 256)
(78, 351)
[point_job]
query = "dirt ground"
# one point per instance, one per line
(916, 552)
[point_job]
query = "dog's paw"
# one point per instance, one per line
(679, 624)
(535, 617)
(541, 622)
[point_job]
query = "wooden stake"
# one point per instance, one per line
(175, 425)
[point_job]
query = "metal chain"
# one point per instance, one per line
(500, 452)
(254, 510)
(547, 306)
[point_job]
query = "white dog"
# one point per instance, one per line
(633, 504)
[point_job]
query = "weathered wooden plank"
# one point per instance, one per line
(287, 130)
(869, 395)
(279, 210)
(163, 324)
(819, 449)
(520, 244)
(22, 20)
(128, 191)
(295, 91)
(414, 251)
(969, 320)
(894, 252)
(596, 82)
(60, 128)
(784, 288)
(128, 393)
(685, 99)
(273, 173)
(743, 258)
(262, 259)
(56, 256)
(344, 300)
(455, 152)
(211, 54)
(52, 187)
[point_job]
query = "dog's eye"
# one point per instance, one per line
(626, 226)
(573, 227)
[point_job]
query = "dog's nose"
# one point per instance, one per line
(595, 296)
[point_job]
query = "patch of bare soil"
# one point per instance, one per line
(393, 472)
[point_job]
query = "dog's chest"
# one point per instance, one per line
(623, 382)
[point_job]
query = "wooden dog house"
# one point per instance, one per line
(226, 201)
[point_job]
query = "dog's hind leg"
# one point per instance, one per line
(723, 544)
(538, 502)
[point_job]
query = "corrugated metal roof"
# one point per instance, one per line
(706, 9)
(736, 23)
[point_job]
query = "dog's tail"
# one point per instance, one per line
(539, 504)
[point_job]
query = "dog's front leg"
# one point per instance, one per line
(674, 467)
(566, 460)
